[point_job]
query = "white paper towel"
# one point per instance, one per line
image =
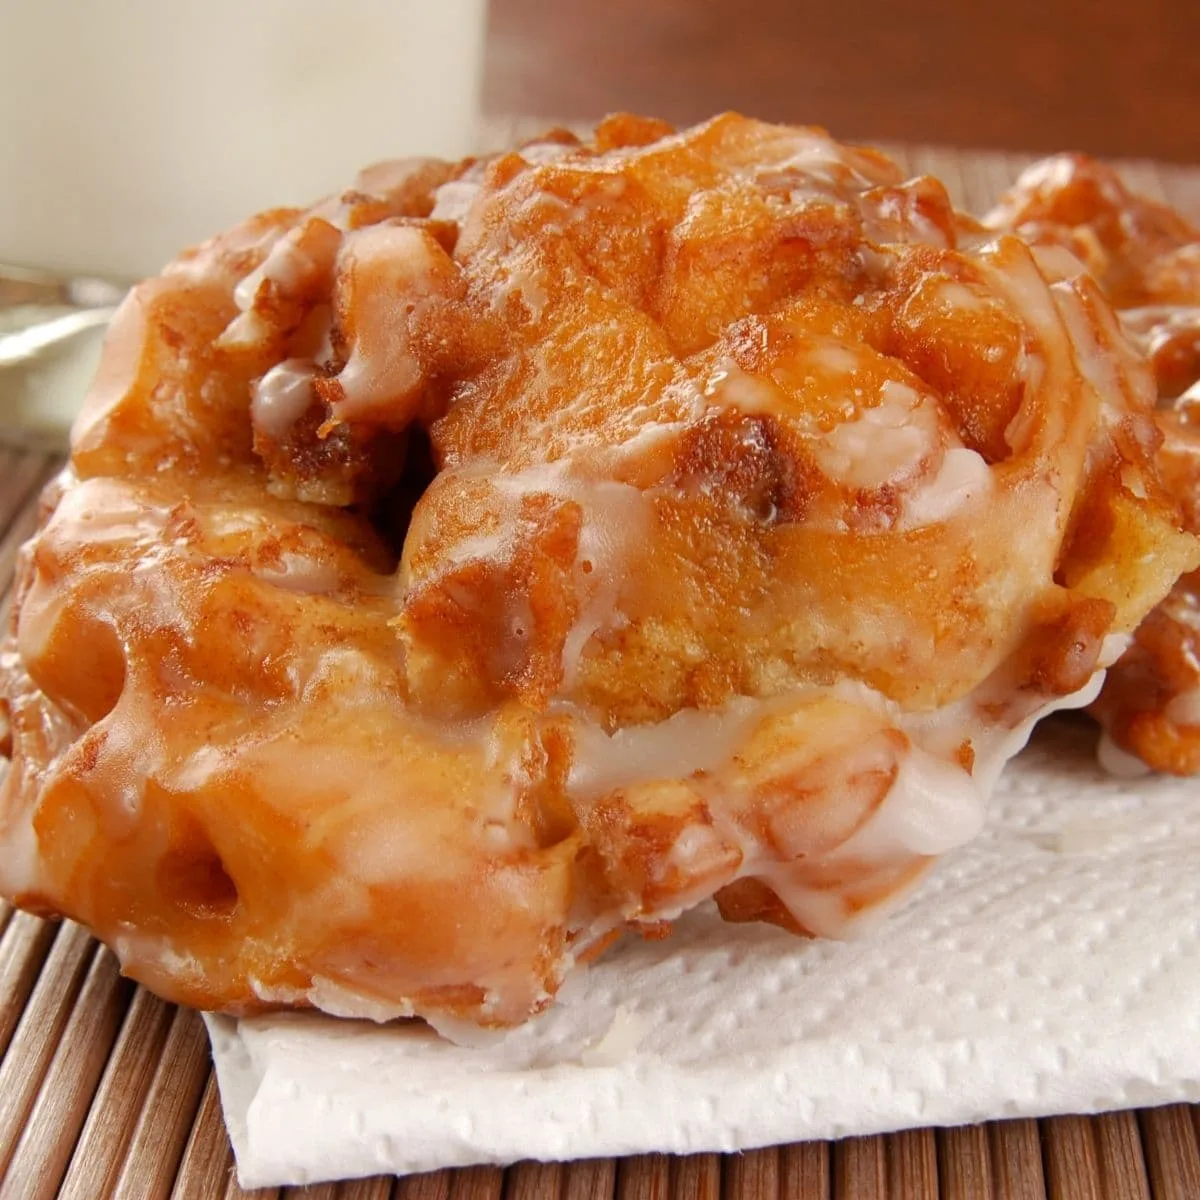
(1051, 966)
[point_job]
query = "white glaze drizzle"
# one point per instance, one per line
(887, 443)
(962, 482)
(405, 273)
(281, 397)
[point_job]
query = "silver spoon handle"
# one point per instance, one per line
(50, 332)
(26, 343)
(21, 286)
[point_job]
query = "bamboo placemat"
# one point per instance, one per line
(106, 1091)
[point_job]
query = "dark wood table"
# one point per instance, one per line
(106, 1091)
(1114, 77)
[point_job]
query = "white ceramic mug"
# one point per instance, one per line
(132, 128)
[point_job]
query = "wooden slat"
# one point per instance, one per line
(58, 1113)
(313, 1191)
(22, 476)
(378, 1187)
(804, 1171)
(534, 1181)
(206, 1172)
(38, 1032)
(19, 526)
(171, 1106)
(477, 1183)
(120, 1099)
(695, 1177)
(591, 1179)
(1069, 1154)
(859, 1169)
(1122, 1166)
(1172, 1153)
(24, 945)
(912, 1166)
(752, 1175)
(1016, 1159)
(965, 1163)
(644, 1177)
(434, 1185)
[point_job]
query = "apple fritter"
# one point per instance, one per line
(505, 554)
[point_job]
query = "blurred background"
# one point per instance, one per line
(1114, 77)
(133, 128)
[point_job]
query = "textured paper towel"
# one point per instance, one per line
(1053, 965)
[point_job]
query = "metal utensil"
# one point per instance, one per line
(51, 327)
(17, 349)
(21, 286)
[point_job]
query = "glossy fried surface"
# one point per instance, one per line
(504, 554)
(1147, 258)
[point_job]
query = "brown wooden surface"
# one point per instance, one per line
(107, 1091)
(1115, 77)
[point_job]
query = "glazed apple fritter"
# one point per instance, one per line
(504, 554)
